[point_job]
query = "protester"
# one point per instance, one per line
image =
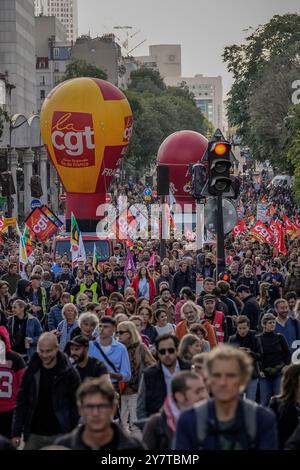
(226, 422)
(87, 367)
(97, 406)
(156, 380)
(46, 405)
(187, 388)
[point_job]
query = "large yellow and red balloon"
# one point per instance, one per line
(86, 126)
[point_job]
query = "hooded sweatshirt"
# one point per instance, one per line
(10, 374)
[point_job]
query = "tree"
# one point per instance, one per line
(248, 61)
(81, 68)
(293, 144)
(158, 111)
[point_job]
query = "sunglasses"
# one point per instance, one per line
(121, 332)
(163, 351)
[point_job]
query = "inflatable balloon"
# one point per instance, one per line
(86, 126)
(178, 151)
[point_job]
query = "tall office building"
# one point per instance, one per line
(65, 11)
(208, 93)
(166, 58)
(17, 53)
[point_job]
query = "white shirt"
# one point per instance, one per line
(168, 376)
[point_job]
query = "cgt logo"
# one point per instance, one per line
(41, 224)
(73, 136)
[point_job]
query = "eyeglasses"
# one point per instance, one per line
(103, 406)
(163, 351)
(121, 332)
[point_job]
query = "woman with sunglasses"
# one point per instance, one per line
(140, 358)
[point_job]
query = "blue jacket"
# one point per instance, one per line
(266, 430)
(54, 317)
(118, 355)
(33, 331)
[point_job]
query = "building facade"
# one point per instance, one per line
(166, 58)
(208, 93)
(66, 11)
(52, 57)
(103, 52)
(17, 53)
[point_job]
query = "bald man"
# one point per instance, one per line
(46, 403)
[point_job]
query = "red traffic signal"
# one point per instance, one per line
(221, 148)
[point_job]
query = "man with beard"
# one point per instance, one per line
(86, 366)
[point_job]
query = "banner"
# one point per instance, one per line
(260, 233)
(27, 242)
(290, 228)
(262, 212)
(40, 225)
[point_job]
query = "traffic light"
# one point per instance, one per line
(219, 164)
(199, 177)
(36, 186)
(7, 183)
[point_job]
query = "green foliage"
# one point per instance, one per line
(264, 68)
(81, 68)
(293, 144)
(158, 111)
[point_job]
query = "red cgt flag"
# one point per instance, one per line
(240, 228)
(261, 233)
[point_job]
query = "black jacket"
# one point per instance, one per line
(123, 441)
(275, 351)
(152, 390)
(181, 279)
(251, 282)
(251, 342)
(287, 419)
(252, 311)
(64, 400)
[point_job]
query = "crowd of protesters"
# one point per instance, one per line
(114, 358)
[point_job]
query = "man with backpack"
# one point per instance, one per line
(227, 422)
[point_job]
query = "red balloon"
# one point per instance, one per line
(178, 151)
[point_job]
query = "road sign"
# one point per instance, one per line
(230, 216)
(62, 197)
(147, 198)
(10, 222)
(147, 192)
(36, 203)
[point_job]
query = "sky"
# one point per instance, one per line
(202, 27)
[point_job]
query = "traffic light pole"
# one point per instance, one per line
(162, 245)
(220, 237)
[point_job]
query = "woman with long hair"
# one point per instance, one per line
(24, 329)
(130, 303)
(264, 297)
(144, 285)
(140, 358)
(148, 329)
(162, 325)
(4, 297)
(128, 278)
(189, 346)
(286, 405)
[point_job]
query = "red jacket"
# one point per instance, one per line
(152, 290)
(10, 375)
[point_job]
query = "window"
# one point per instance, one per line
(42, 80)
(42, 94)
(56, 52)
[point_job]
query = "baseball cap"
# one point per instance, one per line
(79, 341)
